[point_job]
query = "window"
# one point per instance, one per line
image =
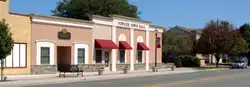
(98, 55)
(122, 56)
(81, 56)
(139, 56)
(17, 58)
(45, 55)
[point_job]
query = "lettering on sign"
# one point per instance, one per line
(131, 25)
(64, 34)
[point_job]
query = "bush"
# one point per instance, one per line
(190, 61)
(187, 61)
(178, 62)
(197, 61)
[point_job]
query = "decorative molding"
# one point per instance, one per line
(44, 41)
(102, 22)
(61, 23)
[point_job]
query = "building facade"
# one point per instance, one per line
(20, 27)
(43, 43)
(111, 42)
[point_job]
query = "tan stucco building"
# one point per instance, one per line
(20, 27)
(43, 43)
(112, 42)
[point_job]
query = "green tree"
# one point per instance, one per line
(245, 31)
(237, 45)
(176, 45)
(84, 9)
(218, 38)
(6, 43)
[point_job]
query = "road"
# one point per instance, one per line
(223, 78)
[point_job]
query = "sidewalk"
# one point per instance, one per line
(25, 80)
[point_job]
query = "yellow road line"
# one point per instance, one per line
(192, 81)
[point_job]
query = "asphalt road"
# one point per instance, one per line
(224, 78)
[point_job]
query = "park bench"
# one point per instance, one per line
(68, 68)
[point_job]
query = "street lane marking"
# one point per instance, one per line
(193, 81)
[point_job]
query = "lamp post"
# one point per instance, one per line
(156, 43)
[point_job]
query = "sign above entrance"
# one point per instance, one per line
(64, 34)
(130, 25)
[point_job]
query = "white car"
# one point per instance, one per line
(239, 64)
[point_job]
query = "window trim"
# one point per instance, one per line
(49, 44)
(19, 57)
(86, 47)
(125, 59)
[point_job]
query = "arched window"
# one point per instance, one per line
(122, 37)
(122, 53)
(139, 39)
(139, 52)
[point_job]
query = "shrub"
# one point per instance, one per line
(178, 62)
(190, 61)
(196, 61)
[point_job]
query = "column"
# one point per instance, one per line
(147, 52)
(113, 53)
(132, 51)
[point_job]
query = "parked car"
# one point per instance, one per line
(239, 63)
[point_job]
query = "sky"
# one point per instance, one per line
(166, 13)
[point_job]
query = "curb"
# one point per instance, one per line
(47, 81)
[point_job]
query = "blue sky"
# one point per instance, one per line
(167, 13)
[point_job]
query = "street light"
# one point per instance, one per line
(156, 43)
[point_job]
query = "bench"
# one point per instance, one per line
(67, 68)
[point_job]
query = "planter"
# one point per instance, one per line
(100, 71)
(172, 68)
(154, 69)
(125, 70)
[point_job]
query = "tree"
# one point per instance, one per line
(219, 38)
(6, 43)
(245, 31)
(176, 45)
(83, 9)
(237, 45)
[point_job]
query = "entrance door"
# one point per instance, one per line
(63, 55)
(106, 57)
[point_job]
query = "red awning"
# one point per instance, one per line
(124, 45)
(105, 44)
(142, 46)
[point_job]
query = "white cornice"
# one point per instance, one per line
(102, 22)
(60, 23)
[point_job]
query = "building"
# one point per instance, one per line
(46, 42)
(19, 60)
(112, 42)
